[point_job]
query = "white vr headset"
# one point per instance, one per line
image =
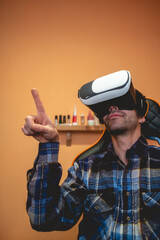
(115, 89)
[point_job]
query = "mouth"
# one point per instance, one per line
(114, 115)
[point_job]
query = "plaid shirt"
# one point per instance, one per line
(117, 201)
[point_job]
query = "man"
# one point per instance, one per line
(117, 191)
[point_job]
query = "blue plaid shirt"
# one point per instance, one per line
(117, 201)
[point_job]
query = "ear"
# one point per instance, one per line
(142, 120)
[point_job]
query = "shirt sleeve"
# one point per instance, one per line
(49, 205)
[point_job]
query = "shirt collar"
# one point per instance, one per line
(140, 147)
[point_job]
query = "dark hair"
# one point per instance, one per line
(141, 104)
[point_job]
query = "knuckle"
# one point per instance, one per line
(27, 118)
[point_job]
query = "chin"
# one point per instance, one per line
(117, 131)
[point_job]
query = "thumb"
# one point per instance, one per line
(39, 128)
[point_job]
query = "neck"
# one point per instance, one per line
(122, 143)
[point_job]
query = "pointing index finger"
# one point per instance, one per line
(37, 100)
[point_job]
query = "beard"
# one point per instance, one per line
(116, 132)
(122, 125)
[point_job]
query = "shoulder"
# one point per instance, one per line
(154, 151)
(154, 156)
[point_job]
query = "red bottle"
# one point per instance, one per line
(90, 119)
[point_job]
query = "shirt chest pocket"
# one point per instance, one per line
(151, 214)
(99, 203)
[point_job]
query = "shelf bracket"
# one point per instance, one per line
(68, 139)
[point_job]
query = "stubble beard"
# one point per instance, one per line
(115, 131)
(120, 128)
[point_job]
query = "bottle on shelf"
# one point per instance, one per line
(68, 120)
(60, 119)
(74, 119)
(56, 120)
(64, 119)
(82, 119)
(90, 119)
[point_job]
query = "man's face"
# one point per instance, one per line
(121, 121)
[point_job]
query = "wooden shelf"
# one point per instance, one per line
(79, 128)
(69, 129)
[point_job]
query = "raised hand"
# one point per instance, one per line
(40, 126)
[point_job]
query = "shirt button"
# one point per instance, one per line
(128, 218)
(127, 194)
(127, 171)
(96, 207)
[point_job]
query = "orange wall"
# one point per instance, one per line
(56, 46)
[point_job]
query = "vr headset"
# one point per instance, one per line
(115, 89)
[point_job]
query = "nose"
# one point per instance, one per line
(113, 108)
